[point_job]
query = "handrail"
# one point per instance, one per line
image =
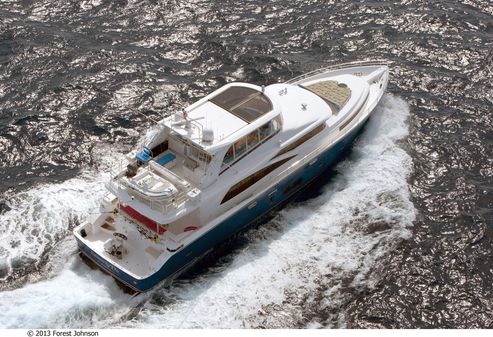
(163, 206)
(338, 66)
(168, 174)
(171, 119)
(115, 184)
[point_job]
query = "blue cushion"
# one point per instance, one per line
(166, 159)
(144, 155)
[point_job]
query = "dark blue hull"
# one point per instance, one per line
(272, 198)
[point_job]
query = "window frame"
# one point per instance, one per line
(303, 139)
(275, 127)
(252, 179)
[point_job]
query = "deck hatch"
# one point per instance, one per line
(331, 91)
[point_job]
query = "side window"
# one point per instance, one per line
(253, 139)
(252, 179)
(240, 147)
(230, 156)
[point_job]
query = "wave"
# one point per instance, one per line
(300, 268)
(296, 270)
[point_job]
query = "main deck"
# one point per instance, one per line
(185, 192)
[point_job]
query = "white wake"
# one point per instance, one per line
(299, 264)
(294, 269)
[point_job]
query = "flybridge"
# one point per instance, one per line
(221, 114)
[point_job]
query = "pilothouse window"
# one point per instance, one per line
(240, 147)
(230, 156)
(251, 141)
(265, 130)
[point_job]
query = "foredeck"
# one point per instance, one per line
(332, 91)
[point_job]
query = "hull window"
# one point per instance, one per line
(293, 186)
(252, 179)
(303, 139)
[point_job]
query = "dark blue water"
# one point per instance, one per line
(78, 76)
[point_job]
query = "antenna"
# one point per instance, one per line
(148, 117)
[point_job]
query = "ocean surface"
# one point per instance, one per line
(398, 235)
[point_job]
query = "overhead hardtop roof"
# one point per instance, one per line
(244, 102)
(227, 114)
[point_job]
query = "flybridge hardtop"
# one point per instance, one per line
(238, 109)
(222, 163)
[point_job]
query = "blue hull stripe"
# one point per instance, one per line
(238, 221)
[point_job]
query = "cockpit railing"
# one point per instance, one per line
(115, 186)
(163, 206)
(338, 66)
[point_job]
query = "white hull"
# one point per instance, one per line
(212, 210)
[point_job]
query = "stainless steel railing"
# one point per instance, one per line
(176, 119)
(163, 206)
(117, 171)
(338, 66)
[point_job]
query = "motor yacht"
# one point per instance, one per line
(222, 164)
